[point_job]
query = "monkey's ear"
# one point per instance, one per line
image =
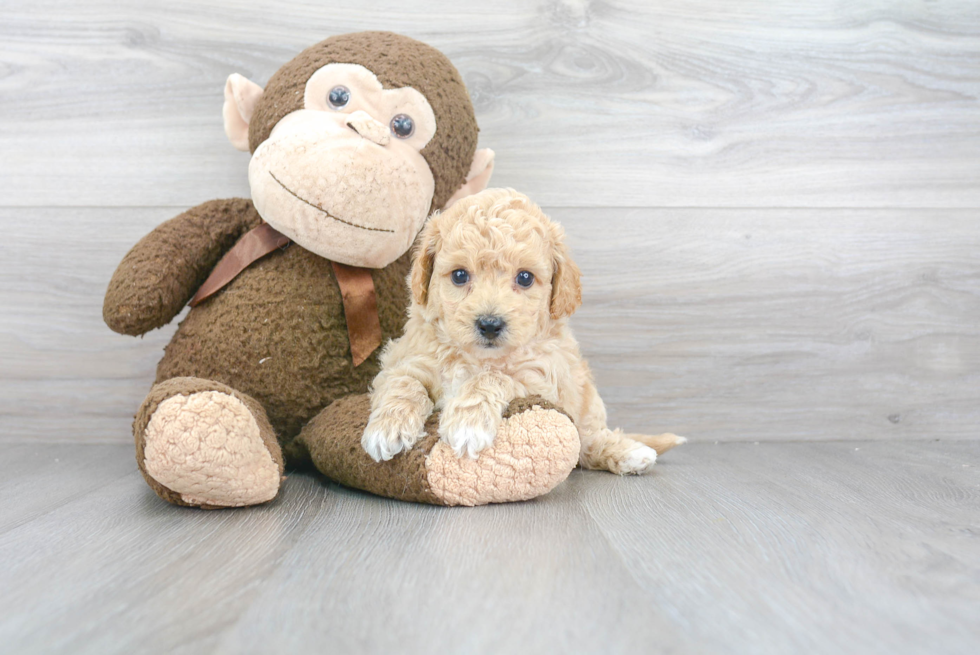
(566, 284)
(241, 96)
(424, 262)
(478, 178)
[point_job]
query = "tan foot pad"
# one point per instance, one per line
(534, 451)
(206, 446)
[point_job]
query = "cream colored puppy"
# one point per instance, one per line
(492, 288)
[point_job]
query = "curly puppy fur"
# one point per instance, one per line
(472, 345)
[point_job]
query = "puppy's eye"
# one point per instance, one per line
(460, 277)
(525, 279)
(338, 97)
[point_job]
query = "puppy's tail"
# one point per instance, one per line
(660, 442)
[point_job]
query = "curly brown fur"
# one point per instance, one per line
(165, 268)
(333, 442)
(277, 333)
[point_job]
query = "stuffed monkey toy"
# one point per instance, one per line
(354, 143)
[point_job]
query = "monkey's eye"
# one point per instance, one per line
(338, 97)
(525, 279)
(402, 126)
(460, 277)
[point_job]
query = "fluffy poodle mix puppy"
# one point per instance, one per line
(492, 288)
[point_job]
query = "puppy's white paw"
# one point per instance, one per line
(469, 441)
(469, 430)
(384, 438)
(637, 460)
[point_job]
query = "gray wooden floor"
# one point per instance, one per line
(776, 208)
(858, 547)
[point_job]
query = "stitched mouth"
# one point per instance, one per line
(321, 209)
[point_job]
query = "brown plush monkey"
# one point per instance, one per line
(354, 143)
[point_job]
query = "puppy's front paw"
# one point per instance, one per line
(385, 437)
(468, 430)
(468, 440)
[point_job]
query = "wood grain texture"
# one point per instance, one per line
(805, 548)
(778, 324)
(616, 103)
(864, 547)
(36, 479)
(715, 324)
(119, 571)
(516, 578)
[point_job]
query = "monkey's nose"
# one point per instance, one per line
(490, 326)
(365, 125)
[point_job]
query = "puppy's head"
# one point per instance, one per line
(492, 272)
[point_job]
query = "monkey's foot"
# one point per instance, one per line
(200, 443)
(535, 449)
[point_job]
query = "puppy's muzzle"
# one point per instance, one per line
(490, 327)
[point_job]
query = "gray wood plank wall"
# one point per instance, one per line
(774, 203)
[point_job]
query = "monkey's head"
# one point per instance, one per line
(355, 142)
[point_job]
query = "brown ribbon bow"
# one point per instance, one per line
(356, 287)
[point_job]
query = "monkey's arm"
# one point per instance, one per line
(163, 270)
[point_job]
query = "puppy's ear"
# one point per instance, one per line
(566, 284)
(425, 259)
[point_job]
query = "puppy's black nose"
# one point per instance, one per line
(490, 326)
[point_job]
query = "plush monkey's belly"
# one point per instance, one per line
(278, 333)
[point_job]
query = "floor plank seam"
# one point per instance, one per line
(64, 503)
(638, 583)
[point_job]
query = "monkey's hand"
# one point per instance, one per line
(399, 410)
(166, 267)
